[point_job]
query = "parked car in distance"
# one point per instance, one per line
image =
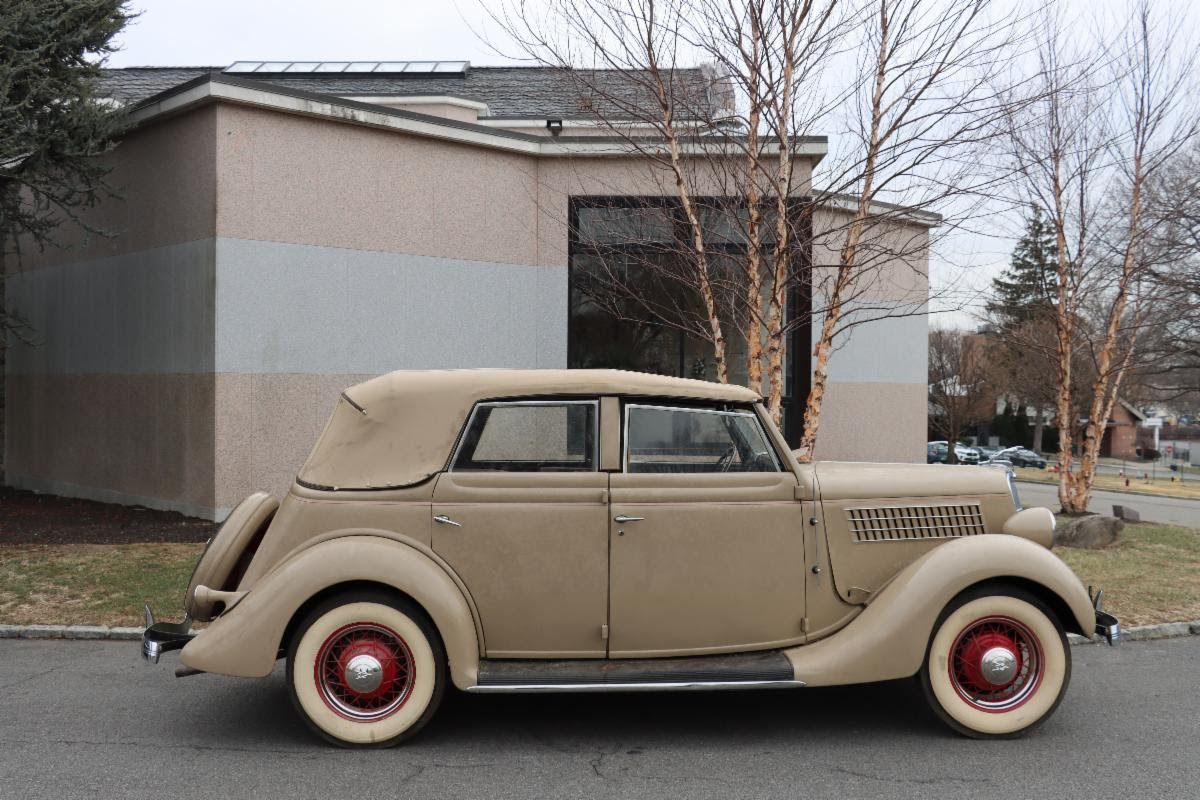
(986, 452)
(502, 531)
(938, 453)
(1026, 458)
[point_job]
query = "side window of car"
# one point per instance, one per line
(530, 436)
(670, 439)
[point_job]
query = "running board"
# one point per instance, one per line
(768, 670)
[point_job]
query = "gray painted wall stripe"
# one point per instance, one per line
(302, 308)
(144, 312)
(285, 308)
(882, 351)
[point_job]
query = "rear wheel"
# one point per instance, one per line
(366, 669)
(998, 665)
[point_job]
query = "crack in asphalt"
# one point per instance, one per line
(896, 779)
(33, 677)
(598, 761)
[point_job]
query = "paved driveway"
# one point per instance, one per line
(1155, 509)
(87, 719)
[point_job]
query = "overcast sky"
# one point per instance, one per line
(219, 32)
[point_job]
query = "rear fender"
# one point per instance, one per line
(245, 641)
(889, 638)
(225, 550)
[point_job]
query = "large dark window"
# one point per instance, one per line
(633, 299)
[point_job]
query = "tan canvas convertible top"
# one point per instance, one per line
(398, 429)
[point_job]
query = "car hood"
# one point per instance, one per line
(846, 480)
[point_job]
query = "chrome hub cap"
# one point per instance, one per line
(998, 666)
(364, 674)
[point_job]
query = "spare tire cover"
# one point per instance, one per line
(226, 548)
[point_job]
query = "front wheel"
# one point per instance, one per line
(998, 664)
(366, 669)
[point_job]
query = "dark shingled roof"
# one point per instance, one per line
(509, 92)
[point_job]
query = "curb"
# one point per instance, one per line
(68, 632)
(1166, 630)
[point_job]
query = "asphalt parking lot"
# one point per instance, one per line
(88, 719)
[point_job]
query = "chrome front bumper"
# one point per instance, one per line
(160, 637)
(1108, 627)
(1106, 624)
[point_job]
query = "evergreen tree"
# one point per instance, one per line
(53, 123)
(1026, 289)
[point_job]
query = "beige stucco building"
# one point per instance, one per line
(280, 237)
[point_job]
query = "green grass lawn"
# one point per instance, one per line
(93, 584)
(1152, 575)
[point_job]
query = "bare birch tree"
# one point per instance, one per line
(760, 51)
(925, 101)
(921, 100)
(1112, 113)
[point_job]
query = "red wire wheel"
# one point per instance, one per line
(365, 672)
(996, 664)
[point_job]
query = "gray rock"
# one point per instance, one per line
(10, 631)
(1090, 533)
(42, 631)
(124, 633)
(1163, 631)
(1195, 627)
(1126, 513)
(86, 632)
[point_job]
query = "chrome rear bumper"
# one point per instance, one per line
(160, 637)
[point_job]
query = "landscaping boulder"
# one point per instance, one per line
(1092, 532)
(1126, 513)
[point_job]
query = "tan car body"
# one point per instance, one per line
(536, 568)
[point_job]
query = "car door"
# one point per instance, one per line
(707, 536)
(522, 517)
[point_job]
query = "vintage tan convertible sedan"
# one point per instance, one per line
(594, 530)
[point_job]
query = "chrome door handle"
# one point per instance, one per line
(442, 518)
(621, 518)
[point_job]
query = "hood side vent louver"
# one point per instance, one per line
(907, 523)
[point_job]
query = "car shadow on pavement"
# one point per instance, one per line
(680, 717)
(255, 713)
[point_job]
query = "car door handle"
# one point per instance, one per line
(621, 518)
(442, 518)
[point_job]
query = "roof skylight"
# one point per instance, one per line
(374, 67)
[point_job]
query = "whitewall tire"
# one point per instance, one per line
(366, 669)
(998, 664)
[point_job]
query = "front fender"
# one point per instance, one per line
(245, 641)
(889, 638)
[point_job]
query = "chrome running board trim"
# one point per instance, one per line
(648, 686)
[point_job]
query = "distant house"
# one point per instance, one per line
(290, 228)
(1120, 438)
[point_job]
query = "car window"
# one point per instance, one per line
(530, 436)
(668, 439)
